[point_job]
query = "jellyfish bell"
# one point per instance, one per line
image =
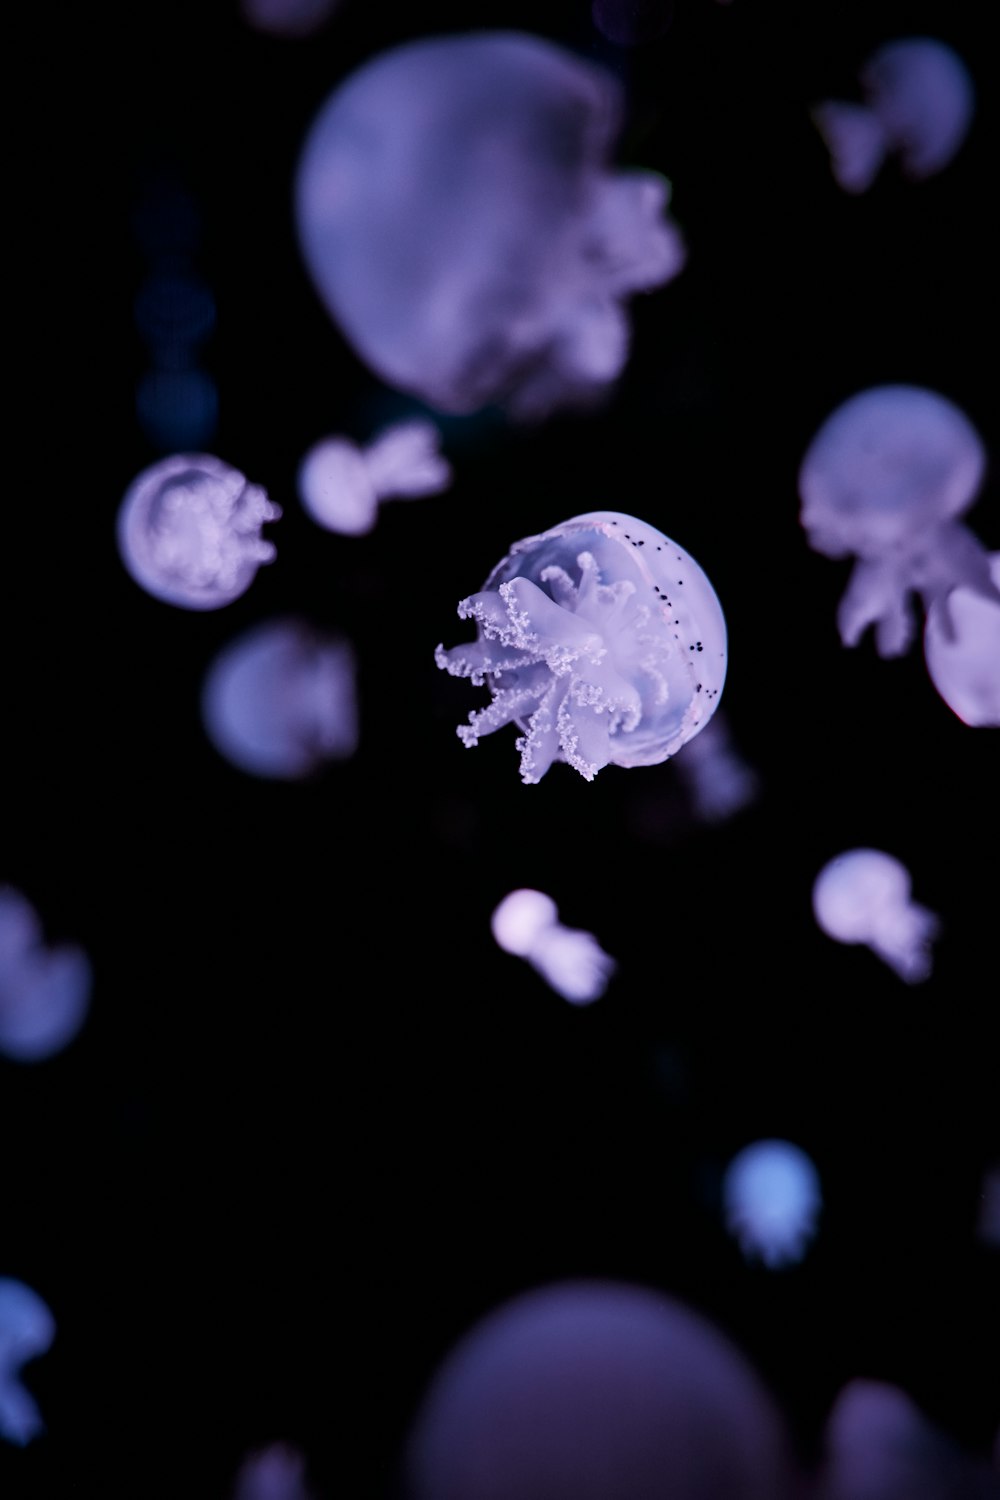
(962, 652)
(771, 1201)
(863, 896)
(27, 1329)
(44, 991)
(520, 919)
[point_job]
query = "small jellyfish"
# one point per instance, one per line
(601, 639)
(771, 1201)
(341, 484)
(962, 652)
(27, 1329)
(570, 961)
(463, 225)
(719, 782)
(274, 1473)
(919, 101)
(988, 1221)
(280, 700)
(44, 992)
(884, 479)
(189, 531)
(863, 896)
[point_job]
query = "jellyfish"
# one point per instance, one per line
(863, 896)
(601, 639)
(280, 700)
(884, 479)
(771, 1201)
(44, 991)
(571, 962)
(274, 1473)
(27, 1329)
(189, 531)
(918, 105)
(719, 781)
(461, 220)
(988, 1223)
(962, 652)
(341, 484)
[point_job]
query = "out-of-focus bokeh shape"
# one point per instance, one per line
(988, 1227)
(771, 1202)
(290, 18)
(629, 23)
(274, 1473)
(962, 652)
(27, 1329)
(719, 781)
(340, 484)
(863, 896)
(572, 962)
(44, 992)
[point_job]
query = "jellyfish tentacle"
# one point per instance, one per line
(856, 140)
(405, 461)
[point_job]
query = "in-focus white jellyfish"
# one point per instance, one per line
(463, 224)
(601, 639)
(884, 479)
(918, 104)
(27, 1329)
(771, 1202)
(189, 531)
(280, 700)
(340, 484)
(863, 896)
(962, 652)
(719, 782)
(274, 1473)
(44, 992)
(572, 962)
(596, 1391)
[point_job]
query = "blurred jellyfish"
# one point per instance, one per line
(601, 639)
(460, 218)
(884, 478)
(988, 1226)
(274, 1473)
(628, 23)
(44, 992)
(962, 652)
(288, 17)
(341, 484)
(280, 700)
(570, 961)
(189, 531)
(919, 100)
(718, 780)
(771, 1201)
(27, 1329)
(863, 896)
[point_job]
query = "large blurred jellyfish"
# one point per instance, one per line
(596, 1391)
(863, 896)
(771, 1202)
(601, 639)
(44, 991)
(340, 484)
(274, 1473)
(918, 104)
(280, 700)
(572, 962)
(962, 652)
(27, 1329)
(189, 531)
(884, 480)
(718, 780)
(460, 215)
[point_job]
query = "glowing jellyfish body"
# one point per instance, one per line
(462, 224)
(340, 484)
(27, 1329)
(189, 531)
(571, 962)
(863, 896)
(962, 652)
(601, 639)
(771, 1201)
(44, 992)
(718, 779)
(884, 479)
(919, 102)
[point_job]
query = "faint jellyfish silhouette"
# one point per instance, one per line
(340, 484)
(719, 781)
(459, 215)
(571, 962)
(280, 700)
(274, 1473)
(27, 1329)
(291, 18)
(628, 23)
(771, 1201)
(44, 992)
(884, 479)
(962, 653)
(189, 531)
(919, 102)
(601, 639)
(863, 896)
(988, 1225)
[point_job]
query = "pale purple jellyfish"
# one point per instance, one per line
(189, 531)
(340, 484)
(280, 700)
(601, 639)
(27, 1329)
(884, 479)
(44, 991)
(863, 896)
(596, 1391)
(771, 1202)
(572, 962)
(460, 216)
(962, 652)
(719, 781)
(918, 104)
(274, 1473)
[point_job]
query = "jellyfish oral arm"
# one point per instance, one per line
(405, 462)
(876, 595)
(904, 940)
(856, 142)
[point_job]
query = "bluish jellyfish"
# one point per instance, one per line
(601, 639)
(189, 531)
(27, 1329)
(572, 962)
(719, 781)
(44, 991)
(460, 215)
(771, 1202)
(274, 1473)
(918, 105)
(280, 700)
(988, 1223)
(884, 480)
(962, 652)
(863, 896)
(340, 484)
(597, 1391)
